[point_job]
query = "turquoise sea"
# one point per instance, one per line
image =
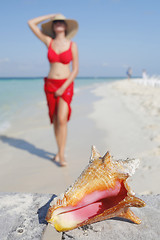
(18, 94)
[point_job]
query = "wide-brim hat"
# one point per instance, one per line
(72, 26)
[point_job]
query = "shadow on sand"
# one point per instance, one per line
(26, 146)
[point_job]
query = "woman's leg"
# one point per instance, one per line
(60, 128)
(55, 126)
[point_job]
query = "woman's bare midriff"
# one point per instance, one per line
(59, 71)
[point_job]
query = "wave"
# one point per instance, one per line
(146, 80)
(4, 126)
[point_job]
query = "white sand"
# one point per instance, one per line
(123, 118)
(129, 115)
(26, 150)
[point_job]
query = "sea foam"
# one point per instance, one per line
(4, 126)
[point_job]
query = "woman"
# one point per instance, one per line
(56, 35)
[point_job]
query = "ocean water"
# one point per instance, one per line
(18, 94)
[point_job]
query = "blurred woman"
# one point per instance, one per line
(58, 86)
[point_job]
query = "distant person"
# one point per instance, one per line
(129, 73)
(58, 85)
(144, 74)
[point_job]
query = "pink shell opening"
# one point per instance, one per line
(94, 204)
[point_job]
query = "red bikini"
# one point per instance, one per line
(64, 57)
(52, 85)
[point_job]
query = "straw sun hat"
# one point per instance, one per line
(72, 26)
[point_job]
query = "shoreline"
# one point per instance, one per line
(28, 146)
(122, 117)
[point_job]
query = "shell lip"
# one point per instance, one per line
(93, 205)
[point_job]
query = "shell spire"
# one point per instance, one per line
(94, 154)
(100, 192)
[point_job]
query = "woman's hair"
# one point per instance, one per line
(59, 21)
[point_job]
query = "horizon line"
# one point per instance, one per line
(75, 78)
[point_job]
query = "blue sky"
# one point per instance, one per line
(113, 35)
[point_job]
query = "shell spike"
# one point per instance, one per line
(94, 153)
(106, 158)
(128, 214)
(136, 202)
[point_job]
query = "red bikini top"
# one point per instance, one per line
(64, 57)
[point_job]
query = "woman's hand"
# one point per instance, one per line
(37, 31)
(59, 92)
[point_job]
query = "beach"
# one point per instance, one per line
(132, 128)
(122, 117)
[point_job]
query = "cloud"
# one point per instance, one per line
(4, 60)
(24, 67)
(105, 64)
(125, 66)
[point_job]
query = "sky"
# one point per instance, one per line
(113, 35)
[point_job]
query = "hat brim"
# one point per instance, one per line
(72, 28)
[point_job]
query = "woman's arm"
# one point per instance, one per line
(74, 72)
(35, 29)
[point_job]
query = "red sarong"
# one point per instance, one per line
(50, 87)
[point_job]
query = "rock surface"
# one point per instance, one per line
(22, 215)
(115, 229)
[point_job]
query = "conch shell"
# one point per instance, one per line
(100, 192)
